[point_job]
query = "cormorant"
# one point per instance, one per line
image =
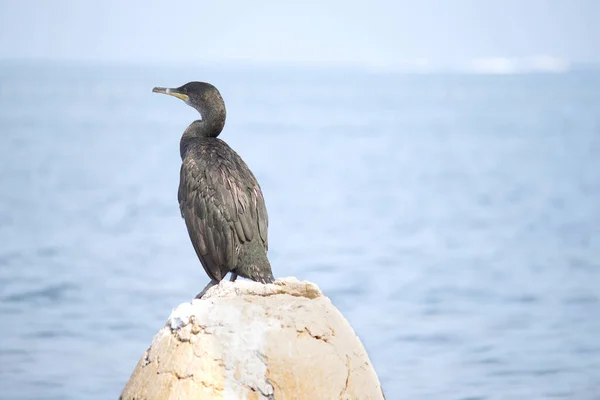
(219, 198)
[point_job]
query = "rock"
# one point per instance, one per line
(246, 340)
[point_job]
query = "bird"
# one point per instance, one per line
(219, 197)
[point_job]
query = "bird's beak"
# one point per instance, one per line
(172, 92)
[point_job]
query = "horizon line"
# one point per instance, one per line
(477, 66)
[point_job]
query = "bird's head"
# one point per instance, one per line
(202, 96)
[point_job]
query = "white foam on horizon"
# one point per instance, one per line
(503, 65)
(486, 66)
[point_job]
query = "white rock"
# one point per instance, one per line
(246, 340)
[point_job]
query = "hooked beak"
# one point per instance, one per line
(172, 92)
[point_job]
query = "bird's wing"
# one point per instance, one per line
(249, 194)
(223, 207)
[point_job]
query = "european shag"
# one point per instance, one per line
(219, 198)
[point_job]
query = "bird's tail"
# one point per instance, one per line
(268, 277)
(264, 274)
(254, 264)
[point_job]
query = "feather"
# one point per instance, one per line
(222, 205)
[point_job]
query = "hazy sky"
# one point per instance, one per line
(376, 32)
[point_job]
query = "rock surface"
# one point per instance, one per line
(246, 340)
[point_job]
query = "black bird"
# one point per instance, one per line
(219, 198)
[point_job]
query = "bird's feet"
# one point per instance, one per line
(208, 286)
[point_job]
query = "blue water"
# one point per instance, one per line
(454, 220)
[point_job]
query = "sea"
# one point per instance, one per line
(454, 219)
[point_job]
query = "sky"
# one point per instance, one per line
(479, 34)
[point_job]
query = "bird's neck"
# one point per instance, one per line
(209, 127)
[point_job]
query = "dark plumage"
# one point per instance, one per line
(219, 198)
